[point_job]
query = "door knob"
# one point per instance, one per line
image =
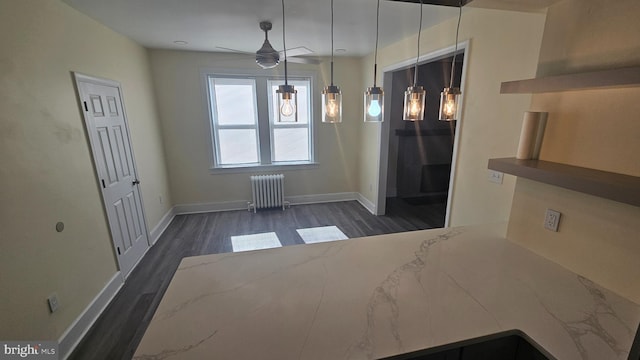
(136, 182)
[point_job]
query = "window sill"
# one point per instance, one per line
(260, 168)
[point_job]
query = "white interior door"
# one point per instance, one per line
(110, 143)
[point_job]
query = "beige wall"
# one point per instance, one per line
(504, 46)
(185, 120)
(598, 238)
(46, 171)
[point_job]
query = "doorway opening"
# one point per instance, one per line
(417, 159)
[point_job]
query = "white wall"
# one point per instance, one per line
(185, 121)
(46, 171)
(599, 129)
(503, 46)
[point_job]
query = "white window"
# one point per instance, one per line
(290, 141)
(235, 120)
(245, 131)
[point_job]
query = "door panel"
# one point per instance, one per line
(96, 105)
(122, 229)
(111, 147)
(113, 108)
(133, 207)
(125, 164)
(105, 147)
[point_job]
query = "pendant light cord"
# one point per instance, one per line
(455, 52)
(375, 56)
(415, 73)
(331, 42)
(284, 44)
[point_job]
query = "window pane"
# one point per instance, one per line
(235, 101)
(291, 144)
(237, 146)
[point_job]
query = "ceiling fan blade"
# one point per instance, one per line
(303, 60)
(236, 51)
(297, 51)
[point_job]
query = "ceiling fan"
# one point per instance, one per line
(267, 57)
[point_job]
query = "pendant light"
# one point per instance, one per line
(331, 95)
(450, 96)
(374, 96)
(287, 95)
(414, 96)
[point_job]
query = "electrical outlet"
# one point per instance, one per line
(552, 220)
(53, 302)
(495, 176)
(161, 199)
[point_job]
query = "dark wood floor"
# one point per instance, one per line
(118, 331)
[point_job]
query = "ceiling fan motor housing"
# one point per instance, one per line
(267, 57)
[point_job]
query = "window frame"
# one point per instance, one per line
(216, 126)
(264, 126)
(290, 125)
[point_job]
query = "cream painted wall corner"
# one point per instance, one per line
(47, 174)
(158, 230)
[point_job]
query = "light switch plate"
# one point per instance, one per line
(552, 220)
(495, 176)
(52, 300)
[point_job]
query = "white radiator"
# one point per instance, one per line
(267, 191)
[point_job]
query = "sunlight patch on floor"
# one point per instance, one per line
(321, 234)
(255, 242)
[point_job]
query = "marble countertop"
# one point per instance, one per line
(383, 295)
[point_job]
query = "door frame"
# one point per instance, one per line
(78, 78)
(383, 158)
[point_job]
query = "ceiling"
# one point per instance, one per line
(208, 24)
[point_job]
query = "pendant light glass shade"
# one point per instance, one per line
(414, 103)
(373, 104)
(374, 96)
(286, 94)
(287, 103)
(331, 104)
(331, 95)
(449, 100)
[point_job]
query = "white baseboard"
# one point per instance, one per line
(321, 198)
(242, 204)
(78, 329)
(210, 207)
(154, 234)
(366, 203)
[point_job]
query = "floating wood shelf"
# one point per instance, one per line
(454, 3)
(625, 77)
(608, 185)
